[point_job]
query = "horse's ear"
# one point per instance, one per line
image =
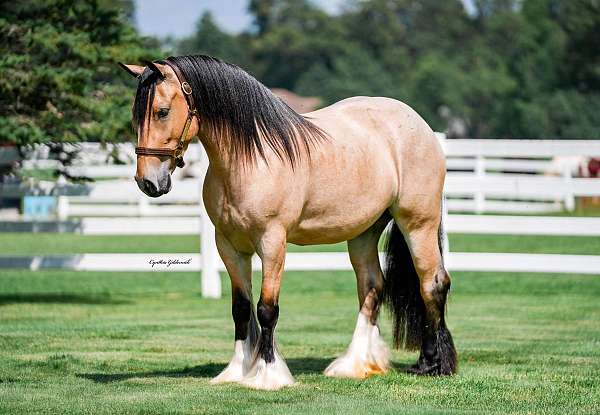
(155, 69)
(133, 70)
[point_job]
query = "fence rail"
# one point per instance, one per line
(476, 224)
(506, 176)
(313, 261)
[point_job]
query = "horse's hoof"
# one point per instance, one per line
(345, 367)
(367, 354)
(423, 368)
(268, 376)
(232, 373)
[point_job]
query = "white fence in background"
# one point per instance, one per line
(516, 176)
(473, 224)
(505, 176)
(484, 176)
(305, 261)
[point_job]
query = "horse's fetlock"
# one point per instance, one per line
(267, 314)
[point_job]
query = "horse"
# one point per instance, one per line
(341, 173)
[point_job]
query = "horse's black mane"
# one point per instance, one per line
(236, 108)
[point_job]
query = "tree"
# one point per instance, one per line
(513, 68)
(351, 74)
(60, 80)
(209, 39)
(262, 10)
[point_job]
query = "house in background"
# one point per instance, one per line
(298, 103)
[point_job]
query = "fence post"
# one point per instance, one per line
(445, 241)
(480, 174)
(62, 208)
(210, 278)
(569, 197)
(143, 205)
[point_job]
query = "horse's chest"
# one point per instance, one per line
(228, 209)
(227, 216)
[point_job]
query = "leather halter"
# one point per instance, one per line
(177, 153)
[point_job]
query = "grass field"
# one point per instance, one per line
(35, 244)
(88, 342)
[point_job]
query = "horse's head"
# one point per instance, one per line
(165, 119)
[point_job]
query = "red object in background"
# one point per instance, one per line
(594, 167)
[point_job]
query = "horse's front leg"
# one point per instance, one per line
(269, 370)
(239, 267)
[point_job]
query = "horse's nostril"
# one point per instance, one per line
(150, 187)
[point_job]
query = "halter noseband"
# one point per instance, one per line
(176, 153)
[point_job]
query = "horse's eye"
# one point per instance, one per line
(162, 112)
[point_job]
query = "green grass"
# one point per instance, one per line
(94, 342)
(74, 342)
(47, 243)
(71, 243)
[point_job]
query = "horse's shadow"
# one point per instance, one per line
(59, 298)
(304, 365)
(298, 366)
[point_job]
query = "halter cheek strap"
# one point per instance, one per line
(176, 153)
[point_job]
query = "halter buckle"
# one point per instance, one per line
(186, 88)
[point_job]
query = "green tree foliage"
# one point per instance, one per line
(262, 10)
(59, 80)
(513, 68)
(209, 39)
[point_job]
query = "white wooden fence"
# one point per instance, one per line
(507, 176)
(502, 176)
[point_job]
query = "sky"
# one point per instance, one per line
(178, 17)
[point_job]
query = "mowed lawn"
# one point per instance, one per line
(47, 243)
(91, 342)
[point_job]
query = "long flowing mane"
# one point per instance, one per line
(237, 109)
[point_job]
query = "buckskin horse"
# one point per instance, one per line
(341, 173)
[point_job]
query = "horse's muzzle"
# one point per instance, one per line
(152, 188)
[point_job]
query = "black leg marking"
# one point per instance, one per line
(267, 317)
(438, 355)
(241, 310)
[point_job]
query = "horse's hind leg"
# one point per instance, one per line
(239, 267)
(367, 353)
(438, 356)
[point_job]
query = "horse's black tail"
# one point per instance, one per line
(401, 292)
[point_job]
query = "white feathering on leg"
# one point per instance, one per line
(367, 354)
(269, 376)
(239, 365)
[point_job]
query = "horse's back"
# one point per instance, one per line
(358, 173)
(419, 162)
(389, 127)
(379, 118)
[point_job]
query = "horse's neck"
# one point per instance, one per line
(223, 168)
